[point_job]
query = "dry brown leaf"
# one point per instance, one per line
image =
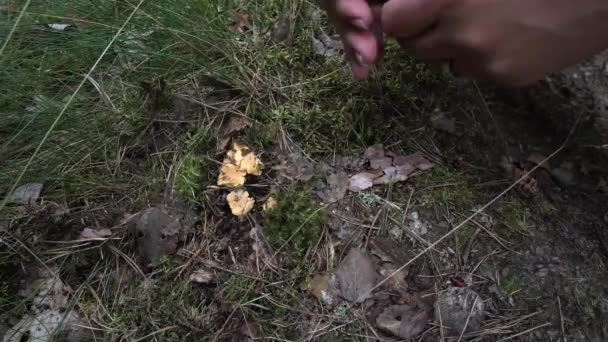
(445, 122)
(363, 180)
(374, 152)
(537, 158)
(90, 234)
(321, 287)
(235, 124)
(240, 203)
(416, 159)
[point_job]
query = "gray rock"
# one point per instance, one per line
(158, 233)
(458, 308)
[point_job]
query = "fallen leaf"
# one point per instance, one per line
(240, 203)
(336, 187)
(321, 287)
(242, 22)
(417, 160)
(444, 122)
(46, 326)
(202, 276)
(95, 234)
(26, 194)
(374, 152)
(356, 276)
(603, 185)
(380, 163)
(537, 158)
(280, 30)
(363, 181)
(404, 321)
(457, 308)
(235, 124)
(295, 167)
(250, 330)
(270, 204)
(324, 45)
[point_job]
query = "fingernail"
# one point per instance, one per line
(360, 24)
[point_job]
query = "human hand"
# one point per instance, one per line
(358, 23)
(514, 42)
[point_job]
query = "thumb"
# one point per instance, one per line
(409, 18)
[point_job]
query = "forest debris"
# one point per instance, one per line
(403, 321)
(336, 187)
(50, 313)
(26, 194)
(95, 234)
(445, 122)
(280, 30)
(322, 288)
(374, 152)
(324, 45)
(240, 203)
(563, 176)
(239, 162)
(250, 331)
(459, 308)
(235, 124)
(202, 276)
(356, 276)
(295, 167)
(537, 158)
(363, 181)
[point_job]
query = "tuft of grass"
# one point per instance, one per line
(190, 177)
(588, 301)
(511, 218)
(510, 286)
(296, 222)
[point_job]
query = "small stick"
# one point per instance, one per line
(525, 332)
(561, 318)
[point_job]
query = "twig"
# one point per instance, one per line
(525, 332)
(561, 319)
(466, 323)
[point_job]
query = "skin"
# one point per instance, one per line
(513, 42)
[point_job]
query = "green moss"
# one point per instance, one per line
(510, 286)
(588, 301)
(295, 223)
(190, 177)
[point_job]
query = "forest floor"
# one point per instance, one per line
(208, 170)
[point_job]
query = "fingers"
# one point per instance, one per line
(355, 13)
(408, 18)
